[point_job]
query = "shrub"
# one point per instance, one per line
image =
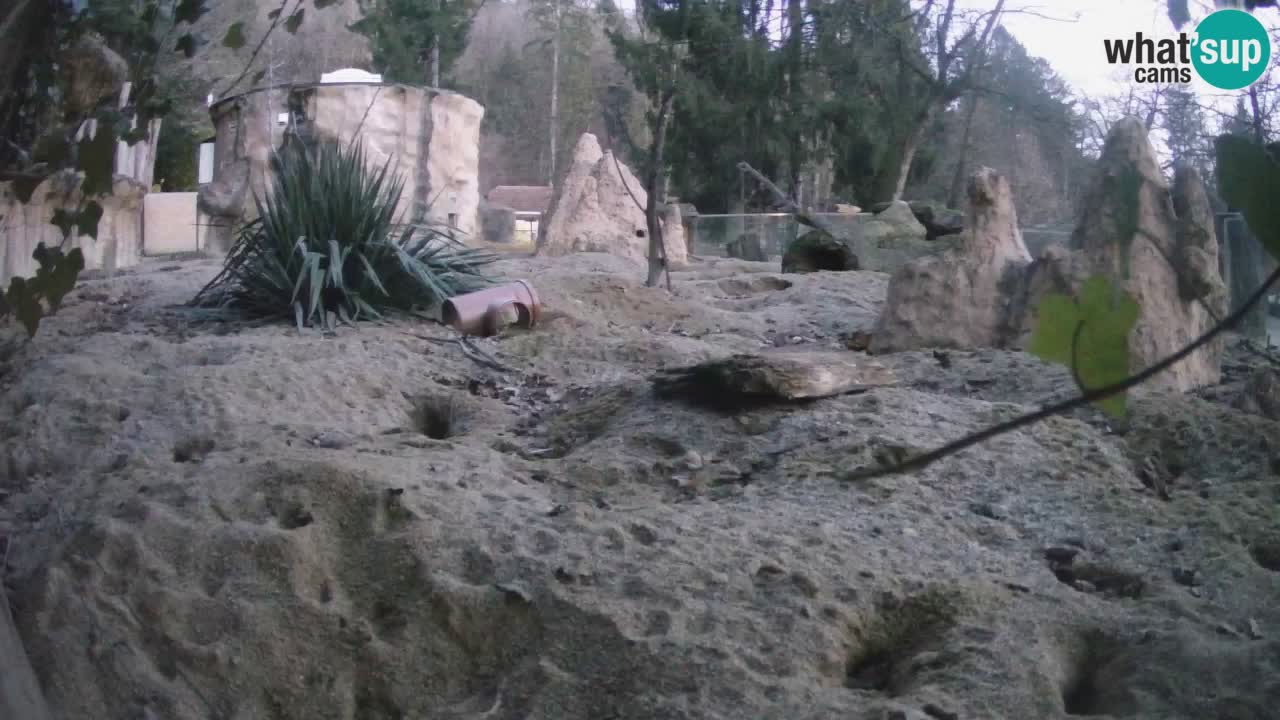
(326, 239)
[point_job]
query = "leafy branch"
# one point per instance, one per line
(1248, 173)
(1088, 397)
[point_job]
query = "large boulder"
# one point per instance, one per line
(1160, 248)
(91, 73)
(817, 250)
(959, 298)
(597, 207)
(887, 240)
(938, 219)
(1157, 246)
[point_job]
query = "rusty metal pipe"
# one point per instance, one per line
(480, 312)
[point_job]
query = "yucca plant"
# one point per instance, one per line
(327, 239)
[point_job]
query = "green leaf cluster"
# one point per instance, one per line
(27, 298)
(326, 239)
(402, 33)
(1249, 174)
(1090, 335)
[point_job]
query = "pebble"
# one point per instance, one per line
(1187, 576)
(693, 460)
(1061, 554)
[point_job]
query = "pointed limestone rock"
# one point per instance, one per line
(598, 207)
(1159, 246)
(961, 297)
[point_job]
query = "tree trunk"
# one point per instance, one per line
(891, 178)
(957, 180)
(657, 192)
(435, 46)
(1259, 134)
(555, 96)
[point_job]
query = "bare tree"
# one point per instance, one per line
(954, 45)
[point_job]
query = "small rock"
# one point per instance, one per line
(1225, 629)
(514, 591)
(331, 440)
(1187, 576)
(558, 510)
(934, 711)
(1085, 586)
(692, 460)
(1255, 632)
(1061, 554)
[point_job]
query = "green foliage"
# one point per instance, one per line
(745, 92)
(1090, 335)
(177, 156)
(402, 32)
(234, 37)
(55, 277)
(294, 21)
(326, 239)
(1248, 175)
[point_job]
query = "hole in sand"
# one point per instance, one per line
(752, 285)
(192, 449)
(295, 516)
(902, 630)
(1089, 690)
(1267, 554)
(436, 416)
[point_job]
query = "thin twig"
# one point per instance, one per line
(921, 461)
(263, 41)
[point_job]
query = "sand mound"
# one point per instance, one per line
(211, 519)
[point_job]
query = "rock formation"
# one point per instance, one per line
(1159, 246)
(960, 298)
(430, 137)
(885, 241)
(938, 219)
(817, 250)
(91, 72)
(497, 223)
(23, 226)
(597, 208)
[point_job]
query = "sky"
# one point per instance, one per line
(1069, 34)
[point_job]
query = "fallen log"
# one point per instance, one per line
(746, 380)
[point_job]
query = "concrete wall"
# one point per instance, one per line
(431, 137)
(25, 225)
(172, 224)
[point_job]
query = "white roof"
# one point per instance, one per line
(350, 75)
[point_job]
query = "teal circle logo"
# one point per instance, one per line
(1232, 49)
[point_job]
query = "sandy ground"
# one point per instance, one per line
(236, 521)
